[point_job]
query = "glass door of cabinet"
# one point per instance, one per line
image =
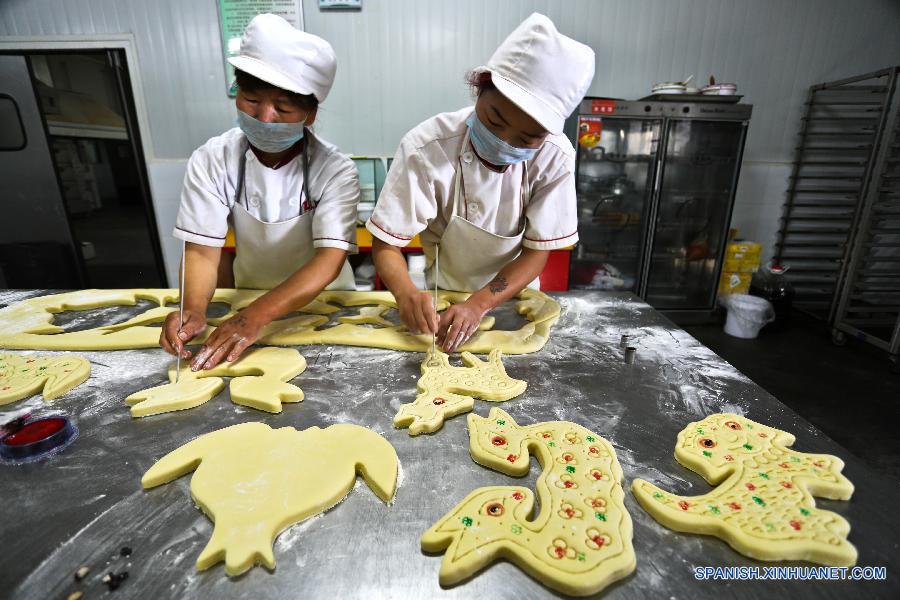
(614, 175)
(693, 211)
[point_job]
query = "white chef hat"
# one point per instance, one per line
(279, 54)
(541, 71)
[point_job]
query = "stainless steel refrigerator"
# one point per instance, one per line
(656, 184)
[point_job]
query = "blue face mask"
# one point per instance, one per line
(270, 137)
(493, 149)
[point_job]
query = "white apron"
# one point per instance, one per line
(470, 257)
(268, 253)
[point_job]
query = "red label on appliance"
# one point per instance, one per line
(603, 107)
(589, 130)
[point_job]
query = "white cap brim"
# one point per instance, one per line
(533, 106)
(267, 73)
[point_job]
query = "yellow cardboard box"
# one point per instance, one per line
(738, 265)
(742, 257)
(743, 250)
(733, 282)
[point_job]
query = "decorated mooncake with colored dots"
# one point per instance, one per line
(763, 504)
(23, 375)
(578, 543)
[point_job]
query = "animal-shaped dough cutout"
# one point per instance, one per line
(254, 482)
(260, 377)
(579, 543)
(23, 376)
(29, 324)
(763, 504)
(446, 391)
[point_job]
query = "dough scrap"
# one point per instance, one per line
(23, 376)
(259, 381)
(763, 506)
(369, 315)
(487, 323)
(254, 482)
(579, 543)
(29, 324)
(374, 315)
(446, 391)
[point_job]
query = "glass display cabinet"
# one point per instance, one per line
(656, 184)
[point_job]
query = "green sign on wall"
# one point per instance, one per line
(234, 15)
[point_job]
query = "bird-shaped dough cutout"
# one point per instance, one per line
(25, 375)
(580, 541)
(446, 391)
(259, 381)
(254, 482)
(763, 504)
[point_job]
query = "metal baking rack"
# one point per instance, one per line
(869, 301)
(840, 135)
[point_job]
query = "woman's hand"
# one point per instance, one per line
(417, 312)
(229, 340)
(458, 323)
(172, 340)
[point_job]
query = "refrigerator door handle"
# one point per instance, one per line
(652, 208)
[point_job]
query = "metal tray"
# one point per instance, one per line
(693, 98)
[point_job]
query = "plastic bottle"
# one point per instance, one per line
(770, 283)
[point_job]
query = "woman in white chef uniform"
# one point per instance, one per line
(289, 196)
(493, 188)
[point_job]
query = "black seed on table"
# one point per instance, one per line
(114, 580)
(125, 551)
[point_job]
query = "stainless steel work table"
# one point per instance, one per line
(82, 505)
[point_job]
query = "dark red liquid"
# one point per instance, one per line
(35, 431)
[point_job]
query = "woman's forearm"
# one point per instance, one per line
(200, 273)
(302, 287)
(511, 279)
(392, 269)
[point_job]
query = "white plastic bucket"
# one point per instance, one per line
(747, 315)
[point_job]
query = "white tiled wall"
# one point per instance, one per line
(760, 197)
(166, 177)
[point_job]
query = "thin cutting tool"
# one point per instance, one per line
(180, 309)
(437, 270)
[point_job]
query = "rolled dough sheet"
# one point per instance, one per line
(29, 324)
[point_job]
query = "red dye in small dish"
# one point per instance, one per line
(35, 431)
(37, 439)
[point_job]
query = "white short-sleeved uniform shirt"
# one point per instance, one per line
(270, 195)
(417, 197)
